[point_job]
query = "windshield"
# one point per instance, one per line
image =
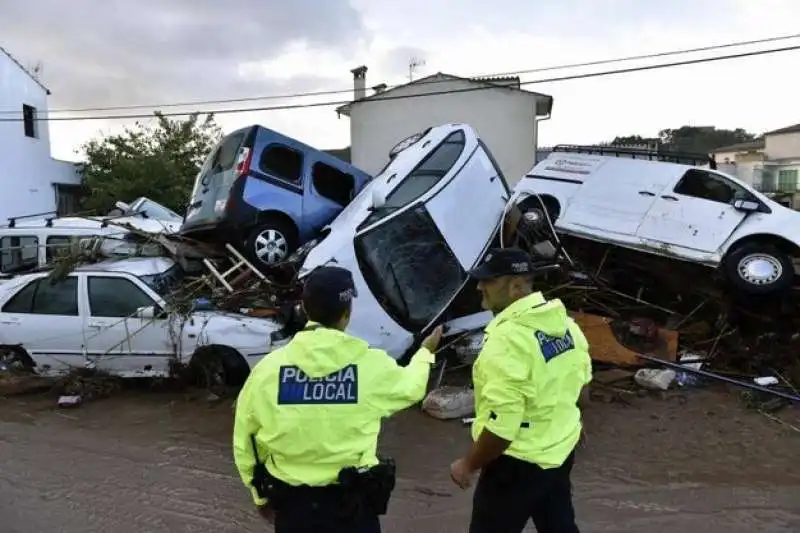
(409, 268)
(166, 282)
(154, 210)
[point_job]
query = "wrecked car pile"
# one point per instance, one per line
(409, 236)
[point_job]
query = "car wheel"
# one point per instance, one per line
(534, 226)
(218, 367)
(759, 269)
(271, 243)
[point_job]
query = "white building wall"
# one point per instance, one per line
(782, 146)
(27, 170)
(504, 119)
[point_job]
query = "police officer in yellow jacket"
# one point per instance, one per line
(308, 417)
(527, 378)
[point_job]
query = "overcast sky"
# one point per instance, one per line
(119, 52)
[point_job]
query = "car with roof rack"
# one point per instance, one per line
(666, 203)
(36, 240)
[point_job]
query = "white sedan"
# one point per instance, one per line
(111, 316)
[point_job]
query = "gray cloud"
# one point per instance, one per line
(116, 52)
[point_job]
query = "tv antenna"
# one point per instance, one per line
(37, 69)
(412, 67)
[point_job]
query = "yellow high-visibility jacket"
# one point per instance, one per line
(528, 377)
(315, 406)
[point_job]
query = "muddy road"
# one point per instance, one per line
(152, 463)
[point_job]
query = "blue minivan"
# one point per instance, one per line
(267, 194)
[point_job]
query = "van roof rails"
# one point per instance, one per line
(666, 156)
(12, 221)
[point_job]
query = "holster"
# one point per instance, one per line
(367, 491)
(359, 492)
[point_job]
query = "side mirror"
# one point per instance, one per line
(746, 205)
(378, 198)
(148, 312)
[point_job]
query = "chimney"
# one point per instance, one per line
(359, 82)
(379, 88)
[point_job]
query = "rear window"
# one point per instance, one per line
(223, 157)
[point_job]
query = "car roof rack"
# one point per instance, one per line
(665, 156)
(12, 221)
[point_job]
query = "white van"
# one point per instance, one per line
(31, 242)
(669, 204)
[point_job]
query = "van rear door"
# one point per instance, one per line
(226, 162)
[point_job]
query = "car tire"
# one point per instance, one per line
(218, 367)
(533, 214)
(759, 269)
(270, 243)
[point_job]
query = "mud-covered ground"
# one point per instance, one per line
(158, 462)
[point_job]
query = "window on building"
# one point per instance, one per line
(787, 180)
(29, 121)
(18, 254)
(332, 183)
(116, 297)
(768, 180)
(710, 186)
(67, 198)
(282, 162)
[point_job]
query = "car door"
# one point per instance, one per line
(45, 318)
(330, 190)
(122, 343)
(697, 213)
(617, 196)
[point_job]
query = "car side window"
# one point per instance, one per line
(115, 297)
(282, 162)
(46, 297)
(19, 253)
(56, 246)
(709, 186)
(332, 183)
(22, 302)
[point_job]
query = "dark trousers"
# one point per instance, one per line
(510, 492)
(321, 517)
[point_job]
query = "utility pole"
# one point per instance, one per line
(412, 66)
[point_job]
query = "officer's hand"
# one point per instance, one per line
(267, 513)
(431, 342)
(461, 473)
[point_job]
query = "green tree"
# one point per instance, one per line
(159, 160)
(702, 139)
(695, 139)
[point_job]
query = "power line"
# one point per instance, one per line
(434, 93)
(497, 75)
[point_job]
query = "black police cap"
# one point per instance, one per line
(329, 287)
(508, 262)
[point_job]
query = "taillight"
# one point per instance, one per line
(243, 159)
